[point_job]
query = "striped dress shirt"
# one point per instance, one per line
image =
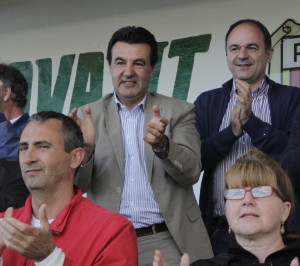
(261, 109)
(138, 203)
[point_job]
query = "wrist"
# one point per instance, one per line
(161, 149)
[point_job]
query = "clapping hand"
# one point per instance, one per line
(31, 242)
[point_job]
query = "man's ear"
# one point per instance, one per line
(7, 94)
(153, 70)
(77, 157)
(109, 67)
(270, 55)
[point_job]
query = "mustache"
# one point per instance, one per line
(243, 62)
(33, 166)
(132, 78)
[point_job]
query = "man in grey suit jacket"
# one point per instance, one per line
(143, 154)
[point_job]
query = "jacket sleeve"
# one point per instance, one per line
(273, 138)
(215, 145)
(183, 162)
(291, 157)
(13, 194)
(13, 191)
(266, 137)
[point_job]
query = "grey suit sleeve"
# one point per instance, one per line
(183, 163)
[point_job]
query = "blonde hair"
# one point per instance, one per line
(255, 168)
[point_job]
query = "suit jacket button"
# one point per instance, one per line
(118, 189)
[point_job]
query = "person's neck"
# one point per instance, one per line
(261, 246)
(130, 103)
(255, 86)
(13, 113)
(55, 202)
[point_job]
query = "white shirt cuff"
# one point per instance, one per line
(57, 258)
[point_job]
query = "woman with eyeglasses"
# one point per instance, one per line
(259, 204)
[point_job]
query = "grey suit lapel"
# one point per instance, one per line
(114, 130)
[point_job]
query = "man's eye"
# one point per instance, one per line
(139, 64)
(252, 48)
(43, 147)
(233, 49)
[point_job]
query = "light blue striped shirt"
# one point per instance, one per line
(138, 203)
(261, 109)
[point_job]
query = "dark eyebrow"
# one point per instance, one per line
(37, 143)
(140, 60)
(23, 144)
(42, 142)
(251, 44)
(119, 58)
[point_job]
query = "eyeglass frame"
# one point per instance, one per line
(274, 190)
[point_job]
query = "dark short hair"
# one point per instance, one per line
(262, 28)
(73, 137)
(134, 35)
(12, 77)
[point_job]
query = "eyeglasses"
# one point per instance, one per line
(256, 192)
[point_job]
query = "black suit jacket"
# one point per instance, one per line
(13, 191)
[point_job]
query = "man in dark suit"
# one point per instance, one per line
(250, 111)
(13, 99)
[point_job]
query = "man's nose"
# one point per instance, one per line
(128, 70)
(27, 156)
(243, 52)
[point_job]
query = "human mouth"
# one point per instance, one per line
(243, 64)
(128, 82)
(249, 215)
(31, 171)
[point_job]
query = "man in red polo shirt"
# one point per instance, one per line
(57, 226)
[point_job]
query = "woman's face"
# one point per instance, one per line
(250, 217)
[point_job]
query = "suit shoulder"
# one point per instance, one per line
(212, 95)
(170, 101)
(98, 106)
(102, 101)
(277, 86)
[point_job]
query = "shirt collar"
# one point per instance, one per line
(120, 106)
(262, 88)
(14, 120)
